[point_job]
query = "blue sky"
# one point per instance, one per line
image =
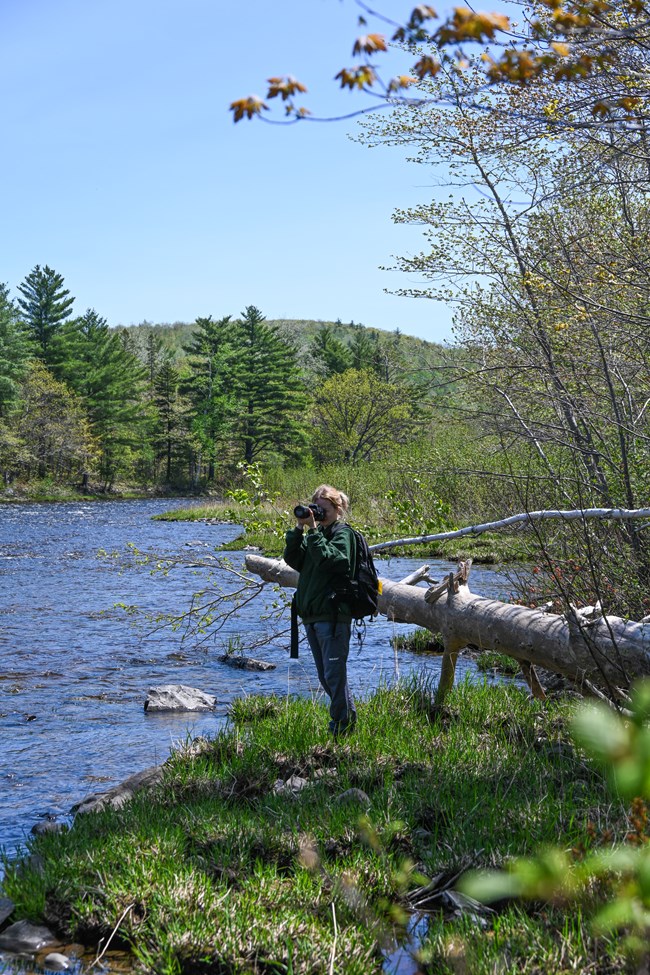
(123, 170)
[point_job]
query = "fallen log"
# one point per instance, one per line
(608, 651)
(523, 518)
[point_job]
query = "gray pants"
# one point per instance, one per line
(330, 649)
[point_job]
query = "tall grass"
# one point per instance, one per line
(415, 490)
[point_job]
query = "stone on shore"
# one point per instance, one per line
(244, 663)
(25, 936)
(6, 909)
(357, 796)
(178, 697)
(293, 785)
(121, 793)
(47, 826)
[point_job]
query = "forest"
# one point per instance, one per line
(178, 407)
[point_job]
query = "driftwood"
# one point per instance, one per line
(607, 651)
(524, 518)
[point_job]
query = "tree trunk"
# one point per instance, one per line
(608, 651)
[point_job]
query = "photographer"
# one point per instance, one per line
(324, 555)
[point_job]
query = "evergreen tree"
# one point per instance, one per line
(172, 446)
(44, 307)
(109, 380)
(13, 353)
(210, 388)
(362, 350)
(271, 397)
(154, 355)
(331, 352)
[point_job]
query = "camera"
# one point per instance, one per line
(302, 511)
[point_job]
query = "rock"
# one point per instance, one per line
(33, 862)
(25, 936)
(354, 795)
(424, 835)
(178, 697)
(56, 962)
(47, 826)
(6, 909)
(293, 785)
(121, 793)
(244, 663)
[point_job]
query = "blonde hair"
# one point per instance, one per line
(337, 498)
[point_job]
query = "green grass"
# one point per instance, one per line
(264, 527)
(487, 660)
(214, 871)
(419, 641)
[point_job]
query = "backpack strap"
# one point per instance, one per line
(295, 638)
(340, 597)
(336, 527)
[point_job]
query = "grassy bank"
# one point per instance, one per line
(264, 526)
(50, 490)
(222, 870)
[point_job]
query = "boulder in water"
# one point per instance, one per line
(178, 697)
(244, 663)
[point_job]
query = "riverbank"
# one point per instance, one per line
(271, 848)
(264, 526)
(51, 491)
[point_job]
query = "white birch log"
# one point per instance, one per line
(613, 514)
(609, 652)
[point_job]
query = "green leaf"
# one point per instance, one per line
(619, 913)
(601, 732)
(490, 885)
(640, 703)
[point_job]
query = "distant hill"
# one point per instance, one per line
(175, 336)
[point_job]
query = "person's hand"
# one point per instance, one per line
(307, 522)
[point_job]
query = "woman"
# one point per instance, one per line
(324, 555)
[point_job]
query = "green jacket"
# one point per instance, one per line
(322, 557)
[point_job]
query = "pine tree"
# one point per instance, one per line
(271, 398)
(154, 355)
(331, 352)
(210, 388)
(109, 380)
(44, 307)
(14, 353)
(172, 429)
(362, 350)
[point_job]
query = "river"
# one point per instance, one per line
(75, 670)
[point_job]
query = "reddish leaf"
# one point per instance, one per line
(369, 44)
(248, 107)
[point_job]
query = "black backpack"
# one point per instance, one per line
(361, 592)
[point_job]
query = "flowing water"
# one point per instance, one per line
(75, 670)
